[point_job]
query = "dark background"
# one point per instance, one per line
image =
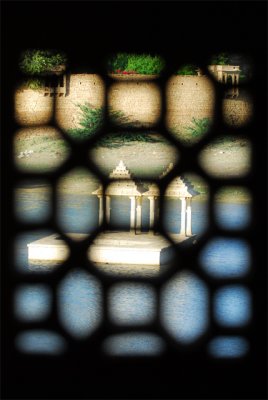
(180, 31)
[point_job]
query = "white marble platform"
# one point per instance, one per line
(108, 248)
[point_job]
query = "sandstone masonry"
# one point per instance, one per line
(186, 96)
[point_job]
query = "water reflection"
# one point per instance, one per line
(232, 216)
(41, 342)
(184, 307)
(134, 344)
(32, 302)
(226, 258)
(232, 306)
(32, 203)
(184, 300)
(228, 347)
(78, 215)
(132, 304)
(80, 303)
(77, 209)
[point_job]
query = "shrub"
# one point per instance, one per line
(92, 120)
(136, 63)
(145, 64)
(35, 83)
(199, 128)
(188, 69)
(243, 77)
(118, 62)
(220, 59)
(35, 62)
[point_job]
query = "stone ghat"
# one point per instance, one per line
(109, 248)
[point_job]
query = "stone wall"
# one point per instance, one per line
(84, 88)
(140, 101)
(187, 97)
(237, 112)
(32, 107)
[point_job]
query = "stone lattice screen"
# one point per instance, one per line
(84, 361)
(56, 114)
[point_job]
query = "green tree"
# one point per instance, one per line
(220, 59)
(139, 63)
(188, 69)
(199, 127)
(40, 62)
(91, 121)
(118, 62)
(145, 64)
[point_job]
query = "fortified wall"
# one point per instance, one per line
(34, 107)
(187, 97)
(237, 112)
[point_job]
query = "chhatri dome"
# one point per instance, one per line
(123, 184)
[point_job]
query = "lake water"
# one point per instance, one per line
(184, 300)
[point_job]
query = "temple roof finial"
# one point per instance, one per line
(120, 172)
(167, 170)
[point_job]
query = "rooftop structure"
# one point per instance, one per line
(124, 185)
(223, 72)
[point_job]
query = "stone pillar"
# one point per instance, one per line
(220, 76)
(132, 212)
(157, 212)
(100, 209)
(138, 215)
(233, 79)
(108, 209)
(189, 217)
(152, 212)
(183, 212)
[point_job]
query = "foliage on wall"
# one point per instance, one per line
(188, 69)
(91, 121)
(220, 59)
(41, 62)
(136, 63)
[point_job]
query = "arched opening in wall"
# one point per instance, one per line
(229, 79)
(236, 79)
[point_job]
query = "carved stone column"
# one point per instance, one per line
(183, 212)
(100, 209)
(152, 212)
(108, 209)
(132, 212)
(138, 215)
(189, 217)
